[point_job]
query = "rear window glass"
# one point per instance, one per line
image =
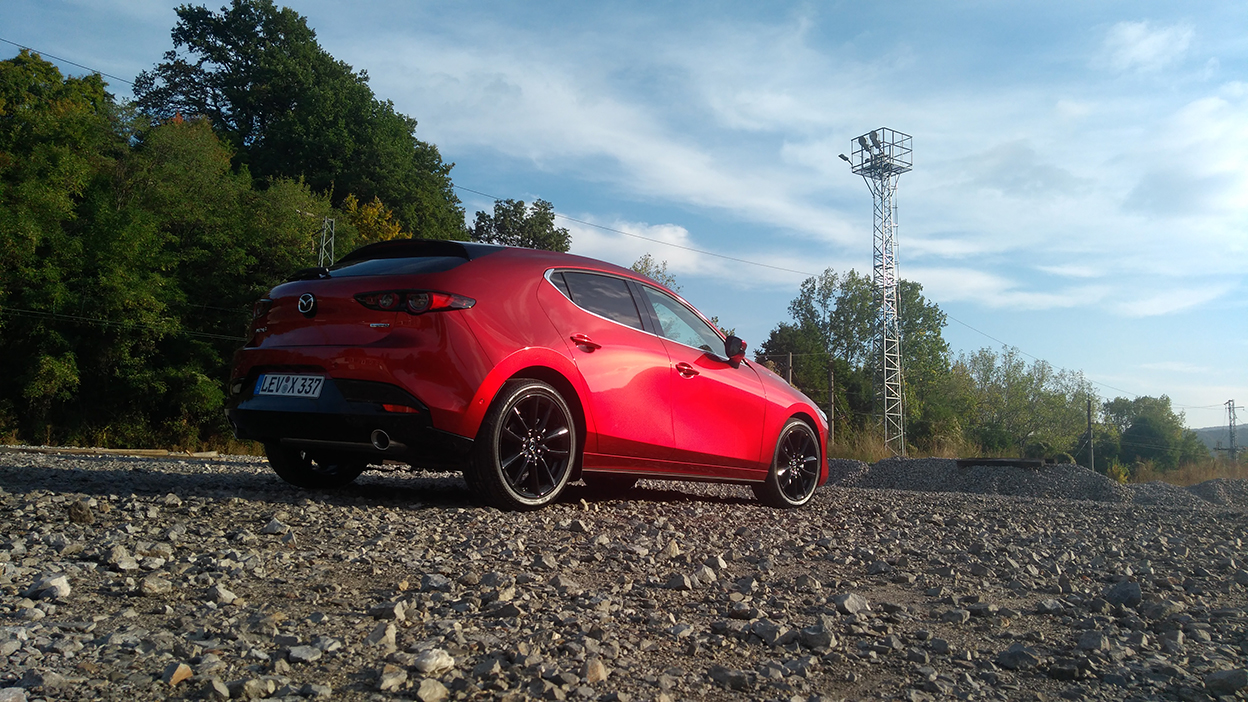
(605, 296)
(396, 266)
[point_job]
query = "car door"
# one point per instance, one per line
(717, 408)
(626, 369)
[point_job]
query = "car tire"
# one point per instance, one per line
(319, 472)
(609, 484)
(526, 448)
(794, 473)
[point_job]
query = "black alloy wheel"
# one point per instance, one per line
(312, 472)
(525, 451)
(794, 471)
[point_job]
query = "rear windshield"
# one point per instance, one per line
(396, 266)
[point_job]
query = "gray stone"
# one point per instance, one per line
(1126, 593)
(382, 635)
(54, 586)
(1018, 657)
(434, 662)
(435, 582)
(431, 690)
(12, 694)
(220, 595)
(879, 568)
(304, 654)
(678, 581)
(154, 585)
(274, 528)
(731, 679)
(956, 616)
(1227, 682)
(594, 671)
(851, 603)
(1050, 606)
(391, 678)
(1093, 641)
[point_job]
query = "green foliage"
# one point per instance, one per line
(515, 225)
(834, 322)
(657, 271)
(288, 109)
(1034, 410)
(1153, 433)
(132, 255)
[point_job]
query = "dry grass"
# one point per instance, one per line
(1190, 474)
(863, 446)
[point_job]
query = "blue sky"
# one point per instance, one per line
(1080, 188)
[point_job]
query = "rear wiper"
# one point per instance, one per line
(314, 273)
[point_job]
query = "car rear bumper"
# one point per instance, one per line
(349, 417)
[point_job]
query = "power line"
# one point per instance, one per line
(656, 241)
(808, 274)
(64, 60)
(112, 323)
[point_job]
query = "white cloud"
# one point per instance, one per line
(1139, 46)
(623, 243)
(997, 291)
(1173, 299)
(1176, 367)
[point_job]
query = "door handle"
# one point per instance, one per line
(585, 341)
(686, 370)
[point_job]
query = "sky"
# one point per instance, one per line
(1080, 181)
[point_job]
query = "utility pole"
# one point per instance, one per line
(1233, 451)
(831, 403)
(1091, 438)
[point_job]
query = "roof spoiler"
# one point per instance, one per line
(419, 248)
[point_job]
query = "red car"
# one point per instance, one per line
(526, 369)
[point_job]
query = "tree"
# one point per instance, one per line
(1151, 431)
(657, 272)
(1014, 408)
(288, 109)
(515, 225)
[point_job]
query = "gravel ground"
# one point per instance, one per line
(142, 578)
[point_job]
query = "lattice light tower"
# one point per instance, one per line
(880, 157)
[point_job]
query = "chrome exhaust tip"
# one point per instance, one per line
(381, 440)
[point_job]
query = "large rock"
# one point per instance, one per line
(851, 603)
(1126, 593)
(1226, 682)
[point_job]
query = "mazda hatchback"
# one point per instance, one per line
(523, 369)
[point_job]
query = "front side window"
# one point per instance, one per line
(680, 324)
(601, 294)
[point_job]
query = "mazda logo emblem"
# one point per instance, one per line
(307, 304)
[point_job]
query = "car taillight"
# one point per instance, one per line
(414, 301)
(261, 308)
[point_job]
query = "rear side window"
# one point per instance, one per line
(396, 266)
(603, 295)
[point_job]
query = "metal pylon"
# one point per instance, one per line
(326, 249)
(880, 157)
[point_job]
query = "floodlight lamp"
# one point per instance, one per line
(862, 141)
(874, 139)
(844, 158)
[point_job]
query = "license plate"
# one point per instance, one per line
(290, 385)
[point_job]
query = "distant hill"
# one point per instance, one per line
(1221, 436)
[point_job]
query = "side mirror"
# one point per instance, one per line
(734, 349)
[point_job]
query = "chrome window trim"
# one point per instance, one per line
(551, 271)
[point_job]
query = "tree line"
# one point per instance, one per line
(134, 237)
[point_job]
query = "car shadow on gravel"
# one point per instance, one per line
(249, 479)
